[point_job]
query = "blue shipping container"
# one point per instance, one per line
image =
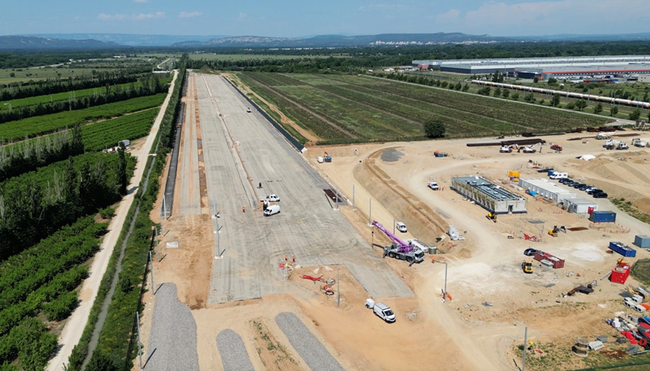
(602, 216)
(622, 249)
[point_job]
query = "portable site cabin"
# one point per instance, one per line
(490, 196)
(546, 189)
(580, 205)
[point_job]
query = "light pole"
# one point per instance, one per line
(444, 291)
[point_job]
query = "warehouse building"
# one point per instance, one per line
(545, 68)
(490, 196)
(545, 189)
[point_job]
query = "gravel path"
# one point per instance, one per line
(172, 342)
(306, 344)
(233, 352)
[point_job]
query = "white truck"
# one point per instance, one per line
(382, 310)
(638, 142)
(433, 185)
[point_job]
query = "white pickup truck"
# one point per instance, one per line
(433, 185)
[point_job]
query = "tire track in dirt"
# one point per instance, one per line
(415, 207)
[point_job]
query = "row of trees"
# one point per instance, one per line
(28, 155)
(34, 205)
(42, 281)
(52, 86)
(115, 93)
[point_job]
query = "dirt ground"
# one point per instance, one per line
(491, 299)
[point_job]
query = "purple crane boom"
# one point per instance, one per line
(403, 246)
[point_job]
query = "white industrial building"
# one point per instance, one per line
(546, 189)
(490, 196)
(580, 205)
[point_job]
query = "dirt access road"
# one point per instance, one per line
(247, 289)
(75, 324)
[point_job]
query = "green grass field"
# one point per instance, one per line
(345, 108)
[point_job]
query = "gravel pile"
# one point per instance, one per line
(233, 352)
(172, 342)
(306, 344)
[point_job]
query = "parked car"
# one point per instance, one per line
(577, 185)
(272, 198)
(401, 227)
(565, 180)
(584, 187)
(599, 195)
(433, 185)
(531, 252)
(593, 190)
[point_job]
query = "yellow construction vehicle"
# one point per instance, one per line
(527, 266)
(552, 232)
(492, 217)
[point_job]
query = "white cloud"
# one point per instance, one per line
(190, 14)
(450, 17)
(131, 17)
(242, 16)
(141, 1)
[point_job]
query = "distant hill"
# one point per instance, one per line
(108, 40)
(33, 43)
(344, 41)
(132, 39)
(575, 37)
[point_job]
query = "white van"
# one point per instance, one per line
(557, 175)
(272, 210)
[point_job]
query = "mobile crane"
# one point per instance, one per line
(400, 249)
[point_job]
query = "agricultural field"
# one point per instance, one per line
(77, 94)
(107, 133)
(345, 109)
(30, 127)
(75, 69)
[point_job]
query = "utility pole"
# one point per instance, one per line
(523, 362)
(337, 198)
(338, 284)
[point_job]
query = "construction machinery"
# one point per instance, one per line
(527, 266)
(400, 249)
(492, 216)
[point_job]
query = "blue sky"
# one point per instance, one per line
(295, 18)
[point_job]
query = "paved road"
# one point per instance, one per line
(188, 174)
(73, 329)
(240, 151)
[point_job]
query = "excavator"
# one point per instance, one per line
(492, 216)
